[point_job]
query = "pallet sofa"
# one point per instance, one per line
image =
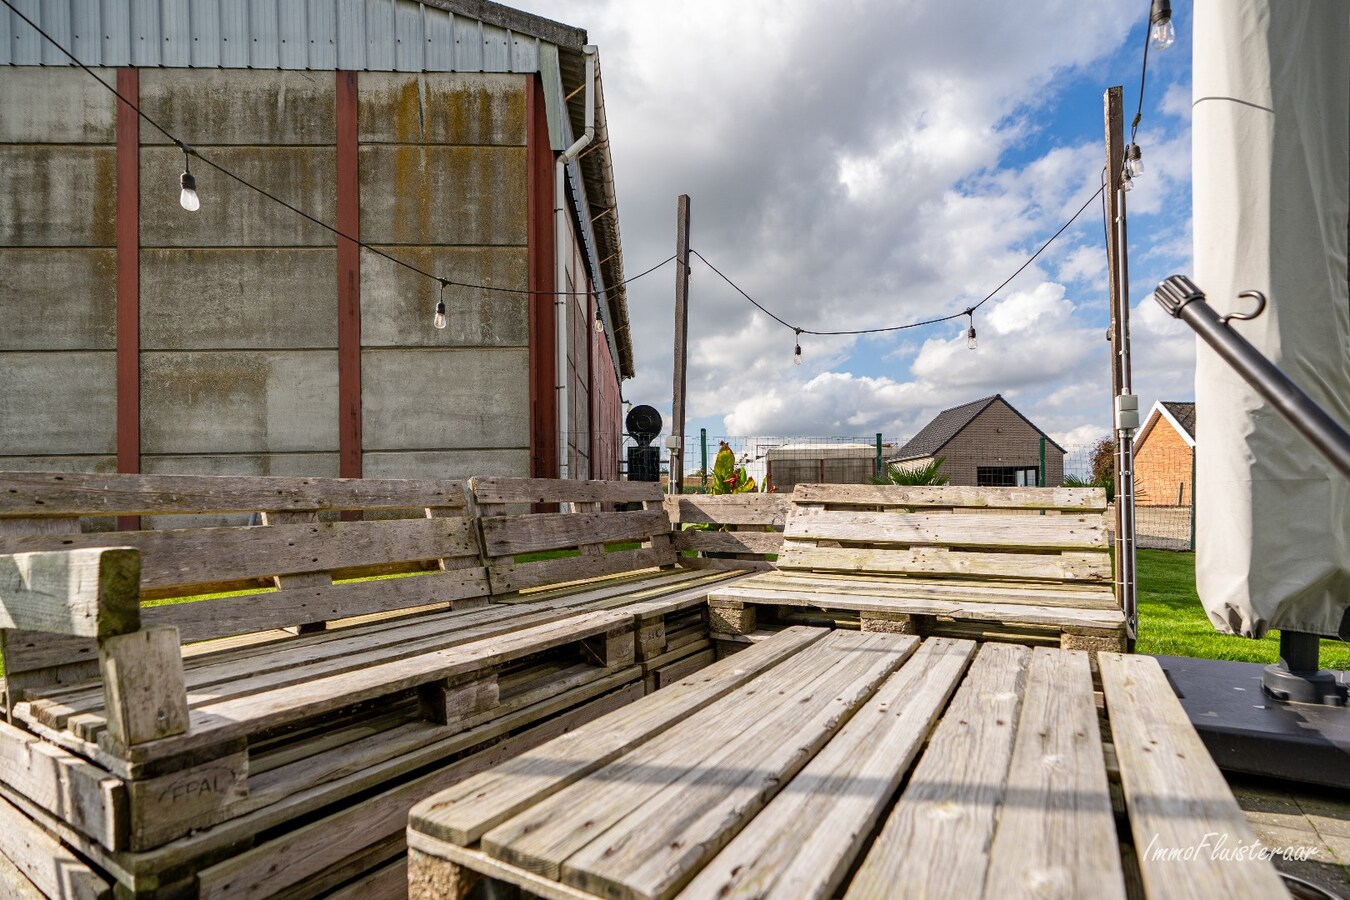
(352, 647)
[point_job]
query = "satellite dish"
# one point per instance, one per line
(643, 423)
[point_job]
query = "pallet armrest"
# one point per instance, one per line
(91, 593)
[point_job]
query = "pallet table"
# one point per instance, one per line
(866, 765)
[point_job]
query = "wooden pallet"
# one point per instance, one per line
(313, 710)
(1029, 565)
(864, 765)
(740, 532)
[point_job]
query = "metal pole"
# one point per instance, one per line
(1040, 473)
(1182, 299)
(703, 442)
(879, 464)
(1192, 499)
(681, 341)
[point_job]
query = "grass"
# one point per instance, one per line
(1172, 621)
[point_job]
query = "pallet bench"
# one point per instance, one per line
(1029, 565)
(272, 740)
(823, 763)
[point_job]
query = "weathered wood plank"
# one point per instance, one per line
(465, 814)
(506, 575)
(144, 695)
(63, 784)
(1078, 566)
(655, 845)
(936, 841)
(442, 871)
(759, 735)
(387, 883)
(44, 494)
(725, 565)
(1177, 799)
(1068, 532)
(731, 509)
(536, 532)
(45, 862)
(553, 490)
(188, 556)
(81, 593)
(805, 841)
(973, 609)
(1056, 835)
(1086, 597)
(951, 496)
(728, 541)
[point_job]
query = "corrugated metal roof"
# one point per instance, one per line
(369, 35)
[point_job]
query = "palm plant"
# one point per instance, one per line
(927, 474)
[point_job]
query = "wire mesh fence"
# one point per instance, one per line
(1165, 500)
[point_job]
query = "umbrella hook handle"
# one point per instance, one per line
(1260, 299)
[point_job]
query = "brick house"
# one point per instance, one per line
(986, 443)
(1164, 452)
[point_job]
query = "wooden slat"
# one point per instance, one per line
(949, 496)
(506, 576)
(554, 490)
(63, 784)
(389, 882)
(1068, 532)
(805, 841)
(443, 871)
(725, 565)
(759, 735)
(1076, 566)
(1056, 832)
(730, 509)
(936, 841)
(728, 541)
(81, 593)
(226, 616)
(533, 533)
(974, 609)
(1007, 592)
(464, 814)
(189, 556)
(24, 494)
(234, 718)
(42, 859)
(1177, 799)
(658, 843)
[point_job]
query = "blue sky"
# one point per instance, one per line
(875, 162)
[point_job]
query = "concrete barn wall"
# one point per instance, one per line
(58, 264)
(239, 358)
(998, 436)
(1162, 464)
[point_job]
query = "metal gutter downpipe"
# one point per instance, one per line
(561, 301)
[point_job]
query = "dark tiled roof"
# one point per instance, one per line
(949, 423)
(945, 426)
(1184, 413)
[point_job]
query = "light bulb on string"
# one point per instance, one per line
(797, 351)
(970, 332)
(439, 319)
(1134, 161)
(187, 197)
(1164, 33)
(599, 322)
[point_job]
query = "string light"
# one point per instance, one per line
(439, 319)
(187, 197)
(1134, 162)
(1164, 33)
(797, 352)
(970, 332)
(599, 322)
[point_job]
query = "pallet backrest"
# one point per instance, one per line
(295, 570)
(728, 531)
(592, 534)
(985, 533)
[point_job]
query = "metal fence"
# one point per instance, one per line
(1165, 505)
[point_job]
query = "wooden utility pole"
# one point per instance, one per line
(681, 341)
(1119, 337)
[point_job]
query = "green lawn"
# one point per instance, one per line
(1172, 621)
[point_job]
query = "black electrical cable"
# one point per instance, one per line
(188, 149)
(956, 315)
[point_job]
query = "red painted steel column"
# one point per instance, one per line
(349, 279)
(543, 355)
(128, 328)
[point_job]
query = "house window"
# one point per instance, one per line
(1006, 476)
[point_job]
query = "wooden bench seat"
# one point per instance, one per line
(348, 656)
(832, 763)
(1022, 564)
